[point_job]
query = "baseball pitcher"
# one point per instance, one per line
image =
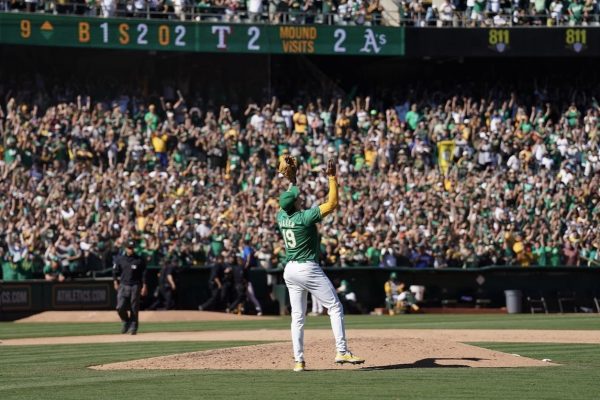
(302, 272)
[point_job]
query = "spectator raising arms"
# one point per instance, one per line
(446, 181)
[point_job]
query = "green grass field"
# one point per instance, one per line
(59, 371)
(424, 321)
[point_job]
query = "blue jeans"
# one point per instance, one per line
(163, 160)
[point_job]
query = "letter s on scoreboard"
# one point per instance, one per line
(124, 34)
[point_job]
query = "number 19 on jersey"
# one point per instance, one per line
(289, 238)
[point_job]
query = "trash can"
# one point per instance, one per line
(514, 301)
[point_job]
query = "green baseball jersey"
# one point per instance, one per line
(300, 234)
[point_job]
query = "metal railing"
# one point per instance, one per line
(237, 12)
(432, 17)
(201, 12)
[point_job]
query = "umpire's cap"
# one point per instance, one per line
(287, 198)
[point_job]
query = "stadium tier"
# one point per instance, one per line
(451, 179)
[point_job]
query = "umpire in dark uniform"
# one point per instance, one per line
(129, 277)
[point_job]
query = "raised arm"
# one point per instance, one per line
(180, 100)
(332, 199)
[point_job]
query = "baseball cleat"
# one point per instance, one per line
(299, 366)
(348, 358)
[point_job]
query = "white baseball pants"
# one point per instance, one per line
(317, 308)
(302, 278)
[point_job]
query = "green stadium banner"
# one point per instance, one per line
(159, 35)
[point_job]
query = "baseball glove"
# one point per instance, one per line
(288, 168)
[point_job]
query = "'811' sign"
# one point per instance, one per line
(576, 39)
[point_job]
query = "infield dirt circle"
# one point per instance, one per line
(381, 348)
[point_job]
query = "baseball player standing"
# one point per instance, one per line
(302, 273)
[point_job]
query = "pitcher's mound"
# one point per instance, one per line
(319, 355)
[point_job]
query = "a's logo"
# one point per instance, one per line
(133, 266)
(373, 42)
(576, 40)
(499, 40)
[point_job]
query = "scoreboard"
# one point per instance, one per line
(165, 35)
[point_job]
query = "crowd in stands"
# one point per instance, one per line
(500, 13)
(340, 12)
(431, 182)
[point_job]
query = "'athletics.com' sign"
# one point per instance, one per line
(81, 296)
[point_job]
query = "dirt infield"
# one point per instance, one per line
(451, 335)
(378, 353)
(145, 316)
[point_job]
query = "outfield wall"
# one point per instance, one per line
(464, 286)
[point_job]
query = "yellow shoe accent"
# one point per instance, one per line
(348, 358)
(299, 366)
